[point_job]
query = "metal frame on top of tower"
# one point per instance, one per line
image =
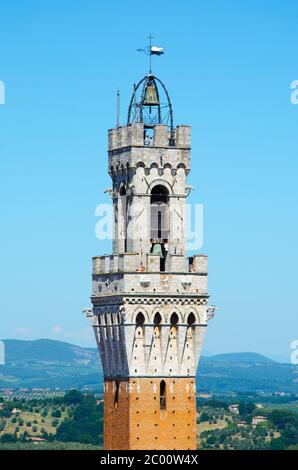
(140, 111)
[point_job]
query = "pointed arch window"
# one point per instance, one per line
(191, 319)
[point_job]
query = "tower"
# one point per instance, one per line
(149, 300)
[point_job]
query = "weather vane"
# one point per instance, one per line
(151, 50)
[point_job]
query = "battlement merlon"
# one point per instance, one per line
(133, 135)
(129, 263)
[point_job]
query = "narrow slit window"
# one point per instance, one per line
(163, 398)
(116, 396)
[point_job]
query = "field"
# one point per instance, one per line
(75, 420)
(293, 406)
(36, 421)
(48, 446)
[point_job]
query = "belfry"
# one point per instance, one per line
(150, 301)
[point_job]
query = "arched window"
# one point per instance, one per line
(140, 319)
(163, 395)
(191, 319)
(156, 328)
(122, 219)
(159, 216)
(174, 319)
(159, 213)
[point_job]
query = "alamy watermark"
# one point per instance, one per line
(151, 223)
(294, 94)
(2, 92)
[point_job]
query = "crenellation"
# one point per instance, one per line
(200, 264)
(183, 136)
(160, 136)
(144, 282)
(146, 155)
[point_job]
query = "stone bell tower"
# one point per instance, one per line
(149, 300)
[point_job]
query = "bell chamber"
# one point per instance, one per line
(150, 104)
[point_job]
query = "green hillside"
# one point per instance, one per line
(242, 358)
(54, 364)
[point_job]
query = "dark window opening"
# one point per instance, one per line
(123, 198)
(159, 193)
(191, 319)
(159, 224)
(162, 395)
(159, 213)
(140, 320)
(174, 319)
(157, 319)
(116, 396)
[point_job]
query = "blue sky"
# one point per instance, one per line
(228, 67)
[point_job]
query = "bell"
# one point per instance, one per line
(151, 96)
(157, 250)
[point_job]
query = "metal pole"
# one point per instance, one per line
(118, 109)
(150, 45)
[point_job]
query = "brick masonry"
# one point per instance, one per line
(134, 420)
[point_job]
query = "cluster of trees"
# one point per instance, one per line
(84, 423)
(263, 436)
(286, 422)
(213, 416)
(232, 437)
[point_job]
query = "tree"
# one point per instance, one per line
(73, 397)
(250, 408)
(211, 439)
(5, 412)
(261, 430)
(204, 417)
(290, 434)
(86, 426)
(277, 444)
(5, 438)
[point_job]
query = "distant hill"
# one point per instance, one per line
(47, 350)
(242, 358)
(46, 363)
